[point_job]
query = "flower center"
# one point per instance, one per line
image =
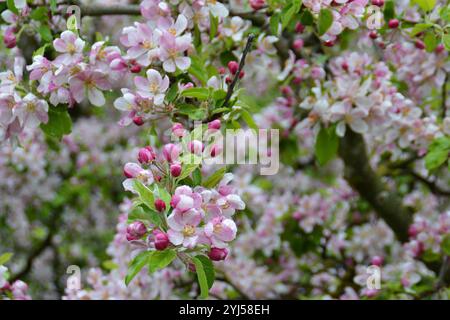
(31, 107)
(173, 31)
(147, 44)
(188, 230)
(218, 228)
(71, 48)
(154, 87)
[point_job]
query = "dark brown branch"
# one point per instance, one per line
(361, 177)
(247, 49)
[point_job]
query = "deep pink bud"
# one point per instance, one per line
(393, 23)
(175, 170)
(136, 230)
(299, 28)
(373, 35)
(233, 66)
(257, 4)
(135, 69)
(146, 155)
(377, 261)
(218, 254)
(241, 74)
(378, 3)
(228, 80)
(419, 44)
(160, 205)
(214, 125)
(161, 240)
(222, 70)
(440, 48)
(298, 44)
(287, 91)
(138, 121)
(328, 43)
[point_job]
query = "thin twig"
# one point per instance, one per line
(241, 66)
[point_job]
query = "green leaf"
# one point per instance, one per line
(109, 265)
(39, 14)
(192, 111)
(213, 25)
(197, 69)
(187, 169)
(59, 122)
(172, 93)
(307, 19)
(426, 5)
(137, 213)
(202, 279)
(327, 144)
(45, 33)
(72, 24)
(145, 194)
(325, 21)
(161, 259)
(420, 27)
(199, 93)
(11, 6)
(4, 258)
(249, 119)
(197, 176)
(389, 10)
(53, 5)
(438, 153)
(446, 41)
(136, 265)
(41, 51)
(208, 268)
(431, 41)
(274, 23)
(445, 13)
(445, 245)
(288, 12)
(215, 178)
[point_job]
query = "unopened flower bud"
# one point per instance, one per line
(377, 261)
(257, 4)
(233, 66)
(138, 121)
(299, 28)
(241, 74)
(218, 254)
(171, 152)
(378, 3)
(196, 147)
(214, 125)
(135, 69)
(160, 205)
(393, 23)
(298, 44)
(146, 155)
(175, 170)
(136, 230)
(215, 150)
(161, 240)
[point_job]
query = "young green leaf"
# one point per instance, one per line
(161, 259)
(327, 144)
(199, 93)
(202, 279)
(438, 153)
(213, 25)
(145, 194)
(4, 258)
(208, 268)
(59, 122)
(325, 21)
(426, 5)
(136, 265)
(215, 178)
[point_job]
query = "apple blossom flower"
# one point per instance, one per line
(90, 83)
(71, 47)
(142, 42)
(31, 111)
(219, 231)
(183, 227)
(172, 49)
(154, 86)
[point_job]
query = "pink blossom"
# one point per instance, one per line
(31, 111)
(220, 230)
(71, 47)
(172, 49)
(154, 86)
(90, 82)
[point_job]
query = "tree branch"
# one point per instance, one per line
(247, 49)
(359, 174)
